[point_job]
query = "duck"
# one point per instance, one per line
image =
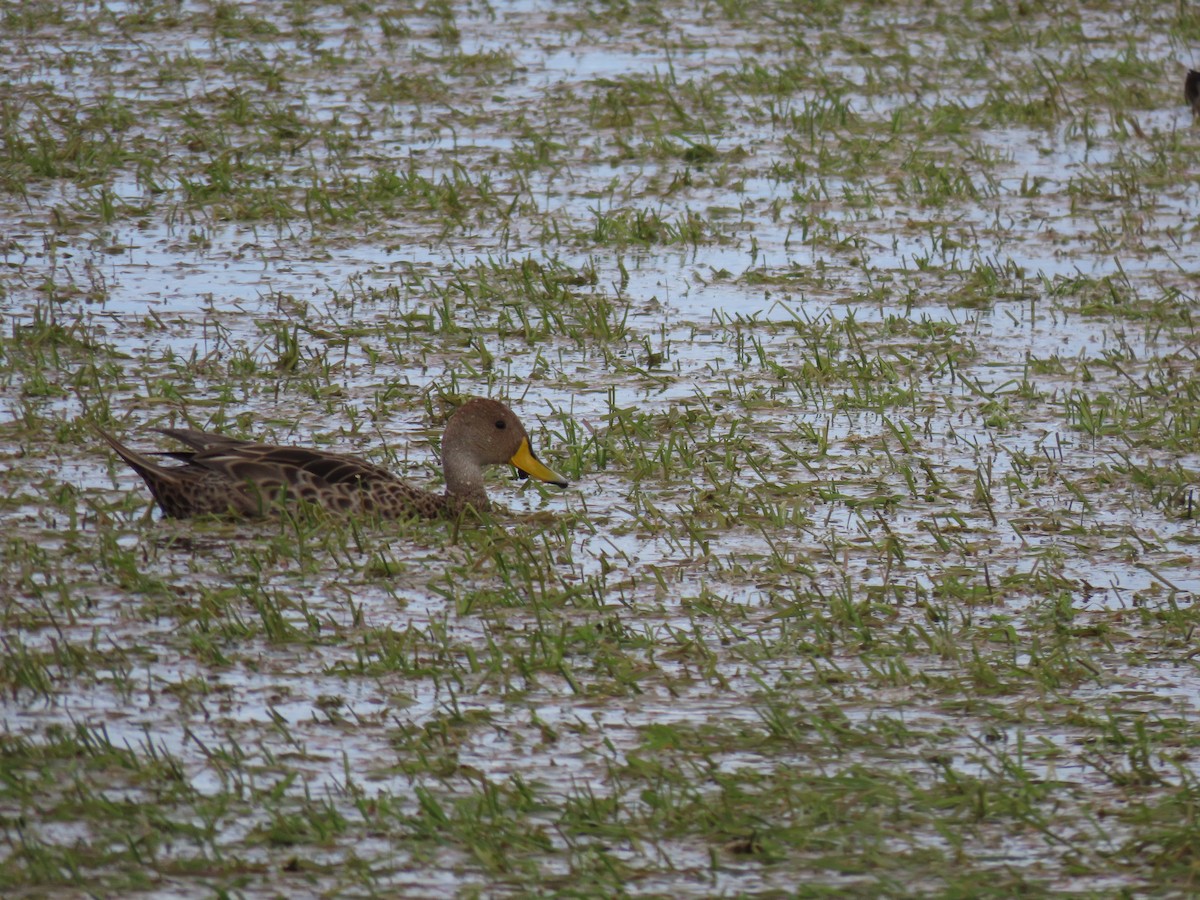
(1191, 91)
(228, 476)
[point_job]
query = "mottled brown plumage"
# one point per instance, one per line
(226, 476)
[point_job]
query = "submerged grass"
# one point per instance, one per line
(873, 366)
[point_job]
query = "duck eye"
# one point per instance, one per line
(500, 423)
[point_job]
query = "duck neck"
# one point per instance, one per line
(464, 483)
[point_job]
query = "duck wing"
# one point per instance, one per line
(254, 474)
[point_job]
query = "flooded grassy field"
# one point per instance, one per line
(865, 333)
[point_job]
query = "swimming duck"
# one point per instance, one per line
(222, 475)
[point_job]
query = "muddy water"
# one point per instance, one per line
(715, 613)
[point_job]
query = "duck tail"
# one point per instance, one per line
(139, 462)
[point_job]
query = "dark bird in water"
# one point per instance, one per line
(222, 475)
(1191, 91)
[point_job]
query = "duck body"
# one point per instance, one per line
(226, 476)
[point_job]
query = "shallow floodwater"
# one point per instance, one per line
(872, 365)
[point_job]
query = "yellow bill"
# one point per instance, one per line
(529, 464)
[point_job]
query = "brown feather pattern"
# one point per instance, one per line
(222, 475)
